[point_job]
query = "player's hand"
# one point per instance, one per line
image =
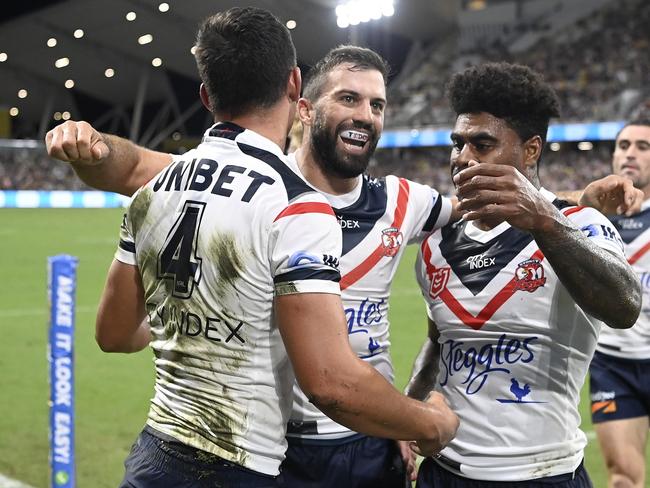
(495, 193)
(447, 427)
(76, 142)
(409, 459)
(612, 195)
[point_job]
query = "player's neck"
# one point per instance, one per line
(267, 123)
(318, 178)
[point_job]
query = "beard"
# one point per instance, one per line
(334, 161)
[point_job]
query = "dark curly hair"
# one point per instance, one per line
(512, 92)
(360, 58)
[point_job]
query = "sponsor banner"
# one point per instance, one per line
(62, 283)
(61, 199)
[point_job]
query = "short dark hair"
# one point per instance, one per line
(512, 92)
(360, 58)
(637, 121)
(244, 57)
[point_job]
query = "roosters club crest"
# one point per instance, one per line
(391, 240)
(439, 279)
(529, 275)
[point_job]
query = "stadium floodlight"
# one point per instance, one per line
(155, 62)
(145, 39)
(193, 50)
(130, 16)
(13, 111)
(163, 7)
(65, 115)
(554, 146)
(109, 73)
(22, 93)
(291, 24)
(69, 84)
(78, 33)
(57, 116)
(585, 146)
(62, 62)
(51, 42)
(354, 12)
(3, 57)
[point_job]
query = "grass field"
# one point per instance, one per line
(112, 391)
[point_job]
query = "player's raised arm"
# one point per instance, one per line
(347, 389)
(611, 195)
(104, 161)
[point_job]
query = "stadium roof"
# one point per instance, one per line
(109, 41)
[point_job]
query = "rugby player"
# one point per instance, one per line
(517, 292)
(620, 369)
(234, 261)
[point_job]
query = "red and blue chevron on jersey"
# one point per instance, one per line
(514, 347)
(379, 218)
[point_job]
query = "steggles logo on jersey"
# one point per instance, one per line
(476, 365)
(391, 240)
(529, 275)
(439, 279)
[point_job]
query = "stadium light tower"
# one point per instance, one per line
(353, 12)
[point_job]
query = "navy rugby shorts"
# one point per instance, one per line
(432, 475)
(619, 388)
(157, 462)
(358, 461)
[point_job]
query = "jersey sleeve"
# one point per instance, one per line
(125, 252)
(597, 228)
(432, 210)
(306, 248)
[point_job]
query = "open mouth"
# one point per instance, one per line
(354, 138)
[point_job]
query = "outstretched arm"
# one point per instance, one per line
(104, 161)
(602, 283)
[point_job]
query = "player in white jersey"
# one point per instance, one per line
(214, 251)
(620, 370)
(516, 292)
(378, 218)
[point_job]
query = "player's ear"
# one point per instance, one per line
(305, 111)
(532, 151)
(205, 99)
(294, 84)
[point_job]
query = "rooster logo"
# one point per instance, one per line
(518, 392)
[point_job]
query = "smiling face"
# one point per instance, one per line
(632, 156)
(347, 120)
(484, 138)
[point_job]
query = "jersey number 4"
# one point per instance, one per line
(177, 260)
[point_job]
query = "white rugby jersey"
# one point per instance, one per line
(515, 347)
(216, 235)
(378, 219)
(633, 343)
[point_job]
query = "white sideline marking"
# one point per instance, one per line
(12, 483)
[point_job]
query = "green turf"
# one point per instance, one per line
(112, 391)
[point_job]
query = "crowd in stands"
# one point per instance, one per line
(568, 169)
(33, 169)
(599, 68)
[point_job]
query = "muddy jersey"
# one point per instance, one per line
(378, 219)
(514, 347)
(216, 235)
(633, 343)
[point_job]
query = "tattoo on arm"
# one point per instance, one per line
(600, 282)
